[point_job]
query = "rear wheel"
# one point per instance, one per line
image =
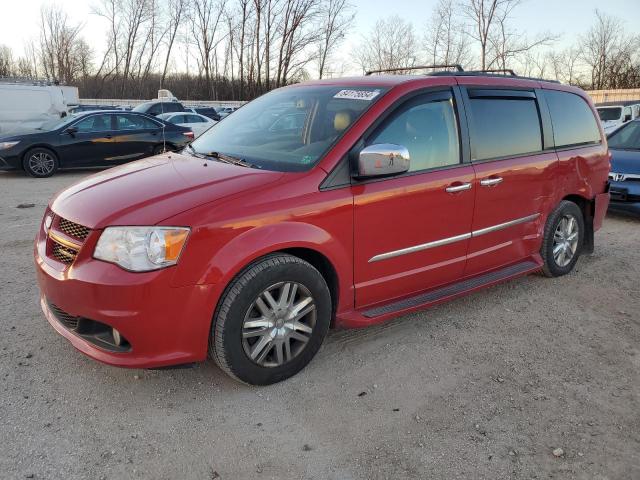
(158, 149)
(563, 239)
(271, 320)
(40, 162)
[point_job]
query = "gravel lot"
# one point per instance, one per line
(487, 386)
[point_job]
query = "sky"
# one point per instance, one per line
(19, 19)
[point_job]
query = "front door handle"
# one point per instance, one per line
(458, 187)
(491, 181)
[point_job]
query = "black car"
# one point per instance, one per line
(90, 139)
(207, 112)
(157, 107)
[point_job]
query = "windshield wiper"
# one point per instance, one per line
(223, 157)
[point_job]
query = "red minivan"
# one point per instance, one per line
(333, 203)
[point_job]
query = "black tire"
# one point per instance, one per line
(555, 267)
(158, 149)
(227, 346)
(40, 162)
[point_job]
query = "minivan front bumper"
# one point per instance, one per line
(163, 325)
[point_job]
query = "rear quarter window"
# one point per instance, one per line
(505, 127)
(572, 119)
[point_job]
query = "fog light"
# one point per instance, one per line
(117, 339)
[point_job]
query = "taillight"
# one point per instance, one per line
(189, 135)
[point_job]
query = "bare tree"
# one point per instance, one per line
(445, 40)
(6, 61)
(295, 38)
(176, 12)
(60, 46)
(206, 16)
(336, 17)
(390, 44)
(610, 53)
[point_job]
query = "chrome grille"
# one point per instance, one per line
(61, 253)
(63, 317)
(73, 229)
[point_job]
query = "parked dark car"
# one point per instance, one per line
(90, 139)
(624, 178)
(207, 112)
(157, 107)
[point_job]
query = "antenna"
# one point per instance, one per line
(164, 137)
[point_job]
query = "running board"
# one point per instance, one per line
(454, 289)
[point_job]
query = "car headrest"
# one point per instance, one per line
(341, 120)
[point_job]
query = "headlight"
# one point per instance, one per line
(141, 249)
(5, 145)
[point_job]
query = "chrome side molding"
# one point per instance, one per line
(448, 240)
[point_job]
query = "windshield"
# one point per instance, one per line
(289, 129)
(610, 113)
(56, 124)
(626, 138)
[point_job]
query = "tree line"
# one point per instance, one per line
(239, 49)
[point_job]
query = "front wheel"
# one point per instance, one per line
(271, 320)
(563, 239)
(40, 162)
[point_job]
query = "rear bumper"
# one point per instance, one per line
(164, 325)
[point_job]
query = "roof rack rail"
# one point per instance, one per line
(30, 81)
(490, 73)
(503, 71)
(458, 68)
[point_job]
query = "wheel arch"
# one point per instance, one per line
(40, 145)
(587, 207)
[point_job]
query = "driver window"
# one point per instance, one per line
(94, 123)
(427, 129)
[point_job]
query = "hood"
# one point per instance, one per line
(19, 133)
(625, 161)
(148, 191)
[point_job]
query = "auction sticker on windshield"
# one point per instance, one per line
(367, 95)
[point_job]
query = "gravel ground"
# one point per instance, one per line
(485, 387)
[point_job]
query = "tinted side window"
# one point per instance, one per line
(427, 129)
(504, 127)
(94, 123)
(134, 122)
(573, 121)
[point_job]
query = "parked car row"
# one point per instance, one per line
(89, 139)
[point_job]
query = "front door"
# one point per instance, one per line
(411, 232)
(516, 176)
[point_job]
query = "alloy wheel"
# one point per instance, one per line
(41, 163)
(565, 240)
(279, 324)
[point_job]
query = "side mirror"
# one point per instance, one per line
(383, 159)
(627, 118)
(71, 131)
